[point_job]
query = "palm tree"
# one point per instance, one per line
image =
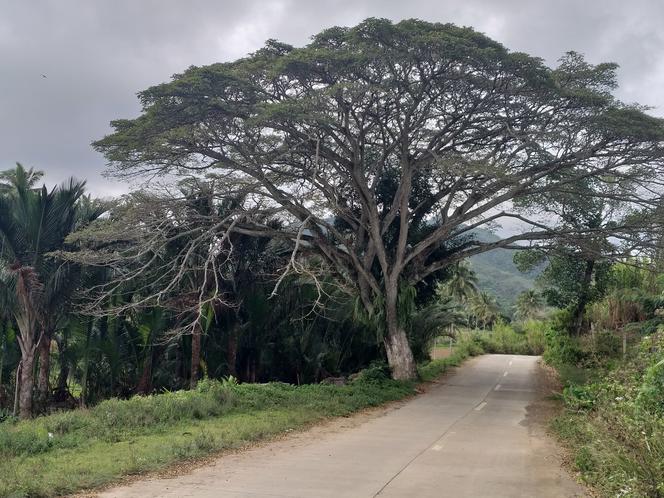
(485, 309)
(528, 305)
(34, 223)
(462, 284)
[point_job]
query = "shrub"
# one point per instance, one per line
(600, 345)
(535, 331)
(24, 440)
(210, 399)
(561, 349)
(651, 393)
(579, 398)
(376, 372)
(467, 345)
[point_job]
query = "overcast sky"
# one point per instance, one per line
(67, 67)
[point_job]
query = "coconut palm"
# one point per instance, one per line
(485, 309)
(462, 284)
(529, 304)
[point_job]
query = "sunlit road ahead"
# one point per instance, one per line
(471, 435)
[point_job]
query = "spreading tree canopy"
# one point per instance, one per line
(369, 133)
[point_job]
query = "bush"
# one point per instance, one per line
(614, 417)
(24, 440)
(602, 343)
(535, 331)
(561, 349)
(579, 398)
(651, 392)
(376, 372)
(503, 339)
(210, 399)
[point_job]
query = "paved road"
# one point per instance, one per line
(471, 435)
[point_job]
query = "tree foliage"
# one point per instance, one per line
(467, 132)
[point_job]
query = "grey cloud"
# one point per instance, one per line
(97, 55)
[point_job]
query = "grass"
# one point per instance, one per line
(70, 451)
(80, 449)
(610, 425)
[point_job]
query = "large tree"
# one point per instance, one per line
(311, 135)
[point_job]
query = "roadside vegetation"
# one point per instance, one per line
(68, 451)
(613, 384)
(86, 448)
(308, 219)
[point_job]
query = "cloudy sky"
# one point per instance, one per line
(67, 67)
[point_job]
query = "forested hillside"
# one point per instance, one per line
(498, 275)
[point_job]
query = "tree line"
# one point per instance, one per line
(304, 205)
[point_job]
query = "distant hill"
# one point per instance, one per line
(498, 274)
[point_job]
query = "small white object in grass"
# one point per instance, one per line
(50, 435)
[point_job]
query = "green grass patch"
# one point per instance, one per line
(70, 451)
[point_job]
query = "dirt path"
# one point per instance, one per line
(476, 433)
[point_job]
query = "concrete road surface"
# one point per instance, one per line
(471, 435)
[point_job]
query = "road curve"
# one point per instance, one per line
(468, 436)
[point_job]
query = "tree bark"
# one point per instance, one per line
(584, 297)
(195, 355)
(63, 374)
(27, 384)
(17, 387)
(399, 354)
(44, 371)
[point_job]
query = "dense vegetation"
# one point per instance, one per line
(320, 211)
(613, 379)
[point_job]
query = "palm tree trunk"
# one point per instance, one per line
(231, 351)
(63, 374)
(27, 385)
(195, 355)
(145, 382)
(17, 387)
(86, 362)
(44, 370)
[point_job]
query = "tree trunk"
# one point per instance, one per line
(86, 366)
(63, 374)
(44, 371)
(3, 348)
(584, 297)
(17, 387)
(231, 351)
(195, 355)
(63, 377)
(145, 382)
(180, 367)
(399, 354)
(27, 384)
